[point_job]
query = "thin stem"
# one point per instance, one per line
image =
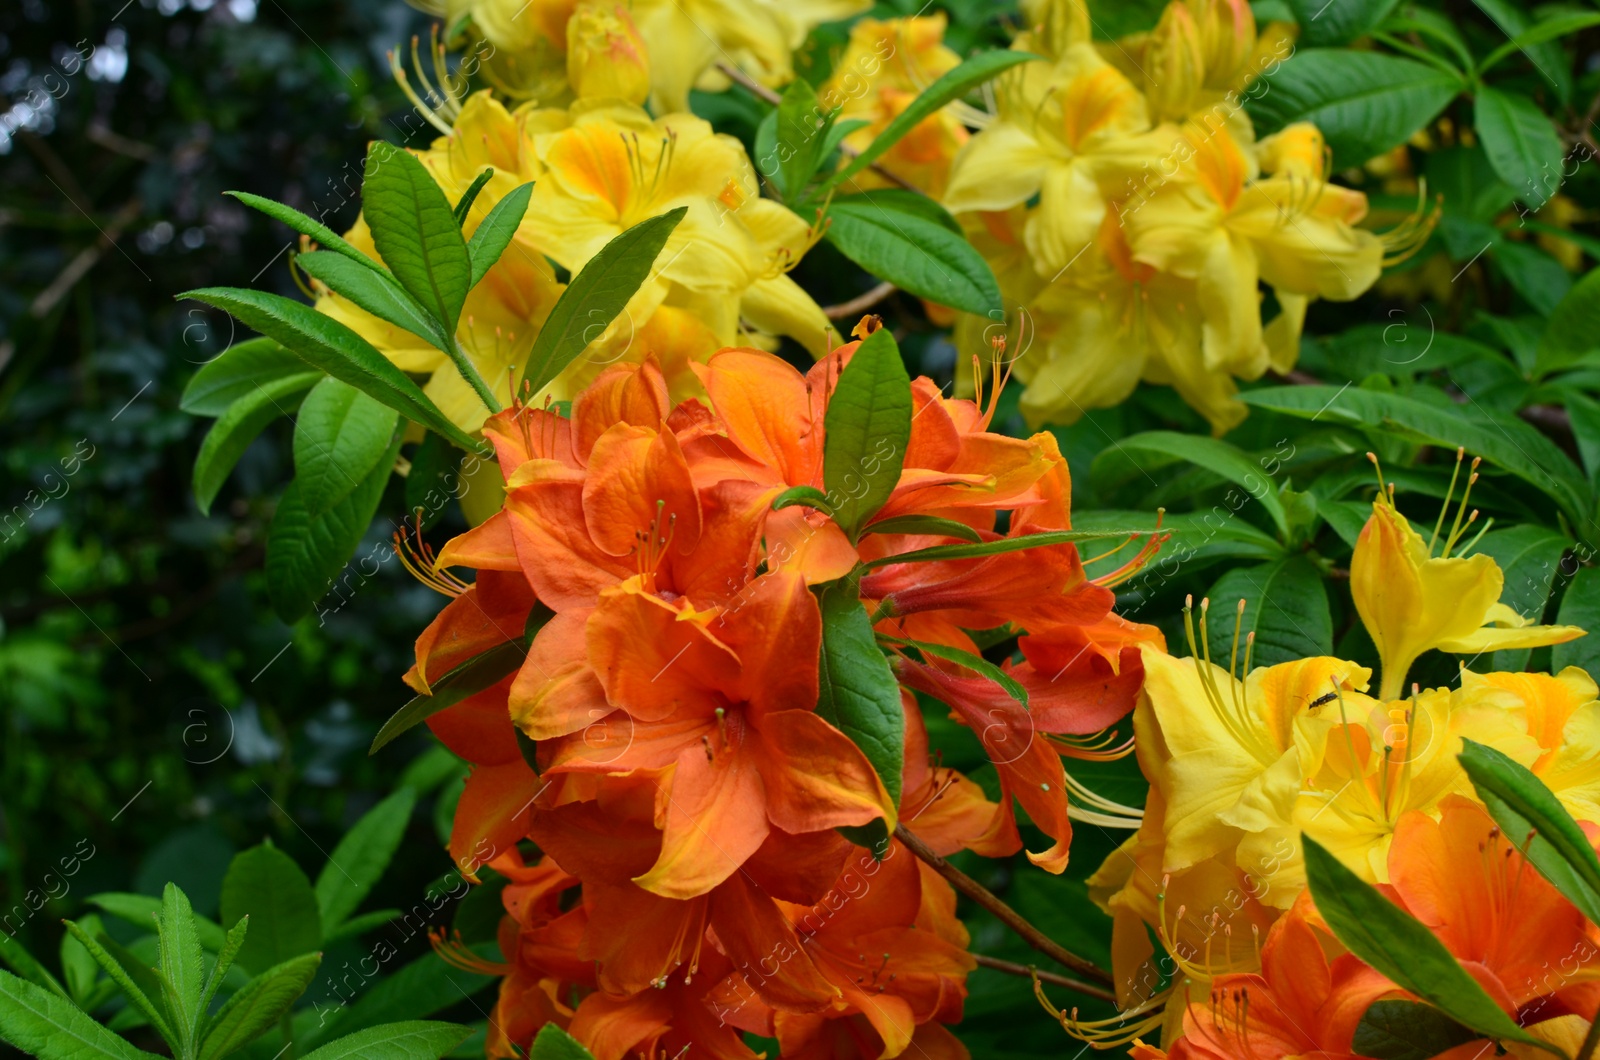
(468, 372)
(861, 303)
(1590, 1040)
(1029, 971)
(1007, 915)
(286, 1028)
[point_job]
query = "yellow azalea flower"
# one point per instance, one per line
(1053, 26)
(1227, 230)
(1413, 601)
(1069, 132)
(1563, 716)
(883, 69)
(1372, 761)
(1199, 51)
(609, 166)
(606, 57)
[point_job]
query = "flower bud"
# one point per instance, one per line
(606, 57)
(1174, 64)
(1227, 31)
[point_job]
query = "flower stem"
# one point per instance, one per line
(470, 374)
(1007, 915)
(1028, 970)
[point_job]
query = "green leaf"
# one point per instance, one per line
(857, 692)
(258, 1005)
(49, 1027)
(225, 959)
(1541, 280)
(900, 201)
(182, 964)
(340, 439)
(361, 857)
(1574, 327)
(420, 988)
(491, 238)
(119, 975)
(1546, 56)
(913, 252)
(360, 925)
(412, 1040)
(28, 967)
(938, 553)
(809, 496)
(1521, 143)
(1380, 933)
(1216, 456)
(463, 680)
(1529, 557)
(1504, 441)
(553, 1043)
(265, 884)
(976, 663)
(1580, 607)
(138, 909)
(309, 226)
(1196, 536)
(599, 292)
(1324, 22)
(1407, 1030)
(948, 88)
(868, 426)
(233, 432)
(463, 205)
(1535, 822)
(1364, 102)
(236, 373)
(435, 466)
(415, 231)
(376, 291)
(304, 552)
(1286, 607)
(924, 524)
(800, 131)
(1548, 29)
(326, 344)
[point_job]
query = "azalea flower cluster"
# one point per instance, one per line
(599, 167)
(1131, 215)
(1243, 763)
(662, 745)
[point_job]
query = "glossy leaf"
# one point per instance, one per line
(596, 295)
(868, 425)
(265, 884)
(800, 132)
(236, 373)
(938, 553)
(1529, 557)
(463, 206)
(1574, 328)
(257, 1006)
(809, 496)
(306, 225)
(976, 663)
(1324, 22)
(415, 230)
(1580, 607)
(553, 1043)
(1364, 102)
(50, 1027)
(1546, 57)
(495, 233)
(1380, 933)
(236, 428)
(931, 525)
(858, 694)
(411, 1040)
(361, 857)
(1286, 607)
(340, 439)
(422, 987)
(328, 345)
(1407, 1030)
(1521, 142)
(913, 252)
(1534, 821)
(377, 292)
(463, 680)
(1213, 454)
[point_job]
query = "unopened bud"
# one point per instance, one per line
(606, 57)
(1175, 64)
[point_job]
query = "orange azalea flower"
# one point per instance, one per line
(672, 1021)
(948, 810)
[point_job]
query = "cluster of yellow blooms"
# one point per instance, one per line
(1242, 763)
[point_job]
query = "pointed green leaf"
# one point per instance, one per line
(927, 525)
(328, 345)
(809, 496)
(868, 426)
(1396, 944)
(463, 205)
(553, 1043)
(265, 884)
(236, 428)
(415, 231)
(1221, 458)
(857, 693)
(913, 252)
(236, 373)
(376, 291)
(138, 909)
(1521, 143)
(119, 975)
(341, 437)
(464, 679)
(800, 132)
(361, 857)
(1406, 1030)
(412, 1040)
(53, 1028)
(599, 292)
(28, 967)
(301, 223)
(948, 88)
(182, 966)
(939, 553)
(1286, 607)
(1535, 822)
(420, 988)
(224, 961)
(976, 663)
(491, 238)
(257, 1006)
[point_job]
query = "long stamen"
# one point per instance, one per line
(1461, 452)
